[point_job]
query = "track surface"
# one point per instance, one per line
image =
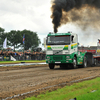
(18, 81)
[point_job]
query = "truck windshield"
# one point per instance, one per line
(58, 40)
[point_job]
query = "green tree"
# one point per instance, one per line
(31, 39)
(3, 35)
(14, 38)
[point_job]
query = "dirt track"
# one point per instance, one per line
(22, 80)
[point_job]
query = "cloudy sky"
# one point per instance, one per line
(35, 15)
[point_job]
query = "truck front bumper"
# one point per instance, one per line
(59, 59)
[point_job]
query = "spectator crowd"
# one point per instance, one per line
(26, 55)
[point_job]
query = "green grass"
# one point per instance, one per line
(82, 91)
(90, 96)
(27, 61)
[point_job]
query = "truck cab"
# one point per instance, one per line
(61, 49)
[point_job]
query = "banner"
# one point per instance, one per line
(13, 59)
(5, 43)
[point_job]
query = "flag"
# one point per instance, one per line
(5, 43)
(23, 38)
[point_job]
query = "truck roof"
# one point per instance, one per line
(57, 34)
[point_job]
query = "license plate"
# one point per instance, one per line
(57, 62)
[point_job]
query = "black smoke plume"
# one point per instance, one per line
(79, 12)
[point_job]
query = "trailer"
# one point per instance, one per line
(62, 50)
(97, 54)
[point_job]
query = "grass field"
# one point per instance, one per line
(26, 61)
(86, 90)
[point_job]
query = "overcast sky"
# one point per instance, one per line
(34, 15)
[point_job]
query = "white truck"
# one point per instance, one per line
(62, 49)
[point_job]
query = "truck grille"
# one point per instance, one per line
(57, 58)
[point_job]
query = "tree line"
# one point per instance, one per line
(15, 39)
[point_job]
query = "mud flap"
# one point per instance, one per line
(90, 59)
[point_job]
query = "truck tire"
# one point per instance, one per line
(74, 64)
(51, 66)
(84, 65)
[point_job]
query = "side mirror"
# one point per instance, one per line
(78, 43)
(75, 39)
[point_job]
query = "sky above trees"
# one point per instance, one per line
(35, 15)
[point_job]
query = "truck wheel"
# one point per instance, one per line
(51, 66)
(74, 64)
(84, 62)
